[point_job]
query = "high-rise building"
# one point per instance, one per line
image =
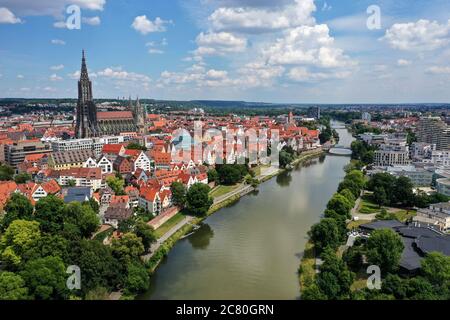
(434, 130)
(314, 112)
(86, 125)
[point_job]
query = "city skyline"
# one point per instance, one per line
(301, 51)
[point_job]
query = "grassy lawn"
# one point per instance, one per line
(360, 281)
(355, 224)
(366, 206)
(221, 190)
(403, 215)
(307, 270)
(169, 224)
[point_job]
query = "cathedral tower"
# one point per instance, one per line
(86, 125)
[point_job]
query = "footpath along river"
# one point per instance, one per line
(252, 249)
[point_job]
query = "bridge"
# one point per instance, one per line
(340, 150)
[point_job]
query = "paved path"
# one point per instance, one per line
(362, 216)
(155, 246)
(243, 188)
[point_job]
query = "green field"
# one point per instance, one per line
(172, 222)
(366, 206)
(222, 190)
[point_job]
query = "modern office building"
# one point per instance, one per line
(16, 152)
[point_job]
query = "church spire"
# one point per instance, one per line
(84, 72)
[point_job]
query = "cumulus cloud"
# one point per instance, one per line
(20, 76)
(145, 26)
(260, 20)
(423, 35)
(307, 45)
(219, 43)
(120, 74)
(7, 17)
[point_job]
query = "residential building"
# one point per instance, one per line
(433, 130)
(69, 159)
(437, 215)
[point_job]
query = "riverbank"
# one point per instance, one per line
(226, 200)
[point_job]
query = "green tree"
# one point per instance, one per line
(12, 287)
(18, 207)
(325, 234)
(116, 184)
(380, 197)
(128, 248)
(49, 214)
(136, 146)
(349, 195)
(213, 175)
(403, 192)
(198, 200)
(178, 194)
(6, 172)
(334, 279)
(436, 268)
(99, 267)
(18, 239)
(146, 233)
(22, 178)
(82, 217)
(340, 204)
(384, 249)
(285, 159)
(137, 278)
(46, 278)
(48, 245)
(229, 174)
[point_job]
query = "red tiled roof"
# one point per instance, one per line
(114, 115)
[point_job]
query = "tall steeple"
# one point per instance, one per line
(86, 125)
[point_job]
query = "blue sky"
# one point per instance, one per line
(294, 51)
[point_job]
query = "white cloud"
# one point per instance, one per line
(118, 73)
(439, 70)
(93, 21)
(307, 45)
(260, 20)
(50, 89)
(60, 24)
(75, 75)
(57, 67)
(7, 17)
(58, 42)
(301, 74)
(403, 62)
(423, 35)
(55, 77)
(50, 7)
(143, 25)
(219, 43)
(155, 51)
(20, 76)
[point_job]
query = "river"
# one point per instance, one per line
(252, 249)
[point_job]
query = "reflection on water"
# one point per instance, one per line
(284, 179)
(200, 239)
(250, 250)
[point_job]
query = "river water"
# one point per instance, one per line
(252, 249)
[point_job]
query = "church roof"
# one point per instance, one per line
(114, 115)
